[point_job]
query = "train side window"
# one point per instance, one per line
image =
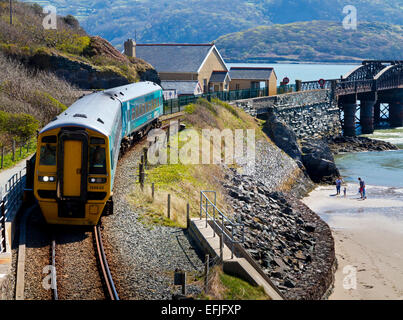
(97, 160)
(48, 155)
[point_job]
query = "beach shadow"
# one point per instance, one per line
(333, 195)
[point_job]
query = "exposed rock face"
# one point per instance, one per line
(319, 162)
(315, 157)
(90, 76)
(150, 75)
(282, 135)
(294, 247)
(340, 144)
(80, 74)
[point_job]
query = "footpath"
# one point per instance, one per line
(6, 174)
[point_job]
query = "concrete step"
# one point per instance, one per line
(203, 233)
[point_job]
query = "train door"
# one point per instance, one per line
(72, 168)
(72, 173)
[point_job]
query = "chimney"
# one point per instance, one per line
(130, 48)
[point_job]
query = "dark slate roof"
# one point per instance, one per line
(250, 73)
(174, 57)
(181, 86)
(218, 76)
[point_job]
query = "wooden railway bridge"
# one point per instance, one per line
(378, 85)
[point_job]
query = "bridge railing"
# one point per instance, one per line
(354, 86)
(392, 82)
(314, 85)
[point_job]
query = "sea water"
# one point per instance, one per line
(383, 168)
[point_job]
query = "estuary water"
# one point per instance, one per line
(384, 168)
(304, 72)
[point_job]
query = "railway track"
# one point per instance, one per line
(103, 268)
(103, 264)
(105, 277)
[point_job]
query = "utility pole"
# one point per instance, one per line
(11, 11)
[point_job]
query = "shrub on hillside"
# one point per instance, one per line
(40, 94)
(20, 125)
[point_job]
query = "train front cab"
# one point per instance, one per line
(72, 184)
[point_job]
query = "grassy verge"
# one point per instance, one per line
(225, 287)
(20, 153)
(185, 181)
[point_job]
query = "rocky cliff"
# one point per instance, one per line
(88, 62)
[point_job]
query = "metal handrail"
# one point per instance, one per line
(221, 227)
(10, 202)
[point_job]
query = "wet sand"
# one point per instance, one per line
(368, 240)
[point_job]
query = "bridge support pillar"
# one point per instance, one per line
(377, 113)
(349, 119)
(396, 114)
(367, 116)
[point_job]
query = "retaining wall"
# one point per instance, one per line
(311, 114)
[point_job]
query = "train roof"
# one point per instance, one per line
(97, 111)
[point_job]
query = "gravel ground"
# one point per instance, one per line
(9, 290)
(78, 277)
(143, 258)
(37, 257)
(76, 266)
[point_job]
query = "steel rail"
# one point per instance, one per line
(107, 276)
(54, 279)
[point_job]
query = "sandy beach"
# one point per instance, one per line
(368, 238)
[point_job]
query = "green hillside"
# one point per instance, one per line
(28, 41)
(30, 94)
(314, 41)
(202, 21)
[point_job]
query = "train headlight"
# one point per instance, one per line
(97, 180)
(46, 178)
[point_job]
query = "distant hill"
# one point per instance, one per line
(205, 20)
(314, 41)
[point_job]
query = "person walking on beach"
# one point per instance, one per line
(338, 185)
(345, 192)
(362, 188)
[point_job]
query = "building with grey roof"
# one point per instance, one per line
(253, 78)
(181, 62)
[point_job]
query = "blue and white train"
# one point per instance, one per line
(78, 151)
